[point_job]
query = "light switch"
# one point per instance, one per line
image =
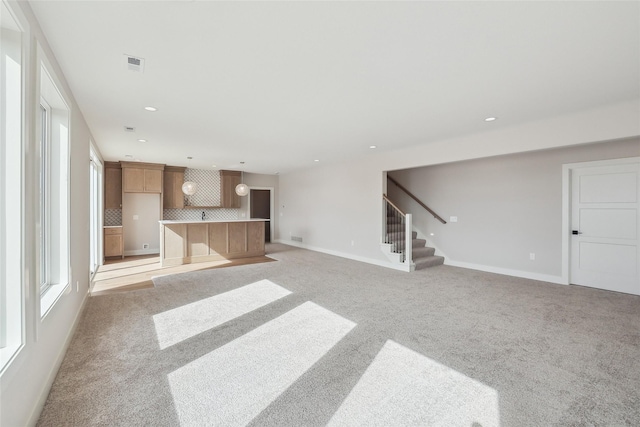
(135, 217)
(453, 219)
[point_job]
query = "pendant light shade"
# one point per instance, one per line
(189, 188)
(242, 189)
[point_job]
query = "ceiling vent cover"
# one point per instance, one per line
(134, 63)
(129, 129)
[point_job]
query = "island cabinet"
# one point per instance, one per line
(112, 185)
(172, 196)
(228, 182)
(141, 177)
(192, 242)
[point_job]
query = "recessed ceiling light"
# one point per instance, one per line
(316, 160)
(373, 146)
(490, 119)
(151, 108)
(142, 140)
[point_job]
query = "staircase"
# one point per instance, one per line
(423, 256)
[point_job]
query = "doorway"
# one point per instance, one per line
(261, 206)
(95, 209)
(604, 222)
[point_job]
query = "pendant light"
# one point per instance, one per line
(189, 188)
(242, 189)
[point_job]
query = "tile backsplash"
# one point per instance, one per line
(208, 191)
(196, 214)
(112, 217)
(207, 194)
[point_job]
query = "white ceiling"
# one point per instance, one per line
(280, 84)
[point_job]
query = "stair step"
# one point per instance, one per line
(427, 262)
(415, 243)
(399, 236)
(423, 252)
(418, 243)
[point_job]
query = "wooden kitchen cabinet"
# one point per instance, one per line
(173, 178)
(112, 185)
(228, 182)
(113, 242)
(141, 177)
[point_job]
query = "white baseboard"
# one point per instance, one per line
(508, 272)
(142, 252)
(400, 267)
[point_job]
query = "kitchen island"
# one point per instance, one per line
(186, 242)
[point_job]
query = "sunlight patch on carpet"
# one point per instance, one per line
(404, 388)
(234, 383)
(184, 322)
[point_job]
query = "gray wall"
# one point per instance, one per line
(507, 206)
(144, 229)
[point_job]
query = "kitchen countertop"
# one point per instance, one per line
(211, 221)
(112, 226)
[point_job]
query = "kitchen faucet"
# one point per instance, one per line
(203, 215)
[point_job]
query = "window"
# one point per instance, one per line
(11, 185)
(52, 221)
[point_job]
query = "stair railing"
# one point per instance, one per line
(397, 230)
(435, 215)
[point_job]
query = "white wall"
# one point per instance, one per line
(25, 383)
(507, 206)
(330, 206)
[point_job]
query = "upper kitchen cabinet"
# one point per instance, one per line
(228, 182)
(173, 180)
(141, 177)
(112, 185)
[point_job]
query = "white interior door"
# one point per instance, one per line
(604, 226)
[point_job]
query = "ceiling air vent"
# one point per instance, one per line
(129, 129)
(134, 63)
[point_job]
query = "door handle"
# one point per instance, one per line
(576, 232)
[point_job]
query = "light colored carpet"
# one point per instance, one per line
(328, 340)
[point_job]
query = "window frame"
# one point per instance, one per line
(50, 90)
(13, 285)
(44, 196)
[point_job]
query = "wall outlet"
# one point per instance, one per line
(532, 256)
(145, 246)
(353, 243)
(135, 217)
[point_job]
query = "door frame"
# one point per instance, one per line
(567, 171)
(271, 208)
